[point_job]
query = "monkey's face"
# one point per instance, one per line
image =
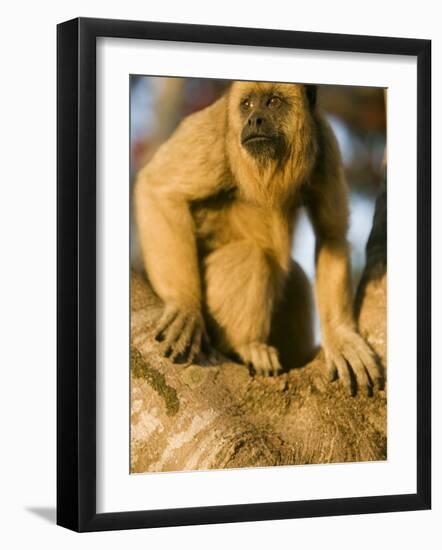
(265, 116)
(262, 134)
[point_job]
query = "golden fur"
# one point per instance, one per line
(216, 220)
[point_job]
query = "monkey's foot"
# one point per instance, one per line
(351, 358)
(262, 358)
(181, 332)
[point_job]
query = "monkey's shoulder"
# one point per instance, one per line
(203, 128)
(196, 150)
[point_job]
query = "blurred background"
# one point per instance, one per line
(358, 118)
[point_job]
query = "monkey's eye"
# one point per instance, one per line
(274, 101)
(246, 103)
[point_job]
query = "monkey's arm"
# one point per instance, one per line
(165, 229)
(166, 232)
(179, 173)
(346, 352)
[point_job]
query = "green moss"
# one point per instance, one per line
(140, 369)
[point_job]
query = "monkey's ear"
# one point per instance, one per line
(311, 90)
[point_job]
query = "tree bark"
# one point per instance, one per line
(200, 417)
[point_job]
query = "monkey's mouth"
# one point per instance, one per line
(256, 138)
(263, 147)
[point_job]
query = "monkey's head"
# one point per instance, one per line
(268, 118)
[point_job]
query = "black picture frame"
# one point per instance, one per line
(76, 274)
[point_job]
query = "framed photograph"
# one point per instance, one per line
(243, 254)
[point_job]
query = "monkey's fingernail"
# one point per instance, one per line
(332, 372)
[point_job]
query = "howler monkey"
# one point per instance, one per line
(216, 208)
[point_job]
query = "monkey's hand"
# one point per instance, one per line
(181, 331)
(262, 358)
(351, 358)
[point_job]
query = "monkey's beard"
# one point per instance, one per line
(265, 149)
(269, 171)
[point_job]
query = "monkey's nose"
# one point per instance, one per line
(255, 121)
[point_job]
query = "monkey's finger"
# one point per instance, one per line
(167, 318)
(274, 361)
(331, 370)
(359, 370)
(265, 357)
(172, 334)
(183, 341)
(258, 360)
(195, 346)
(373, 367)
(344, 373)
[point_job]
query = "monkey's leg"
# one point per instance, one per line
(292, 324)
(241, 283)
